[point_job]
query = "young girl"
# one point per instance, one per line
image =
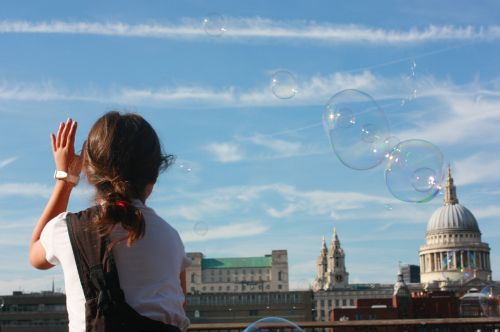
(121, 158)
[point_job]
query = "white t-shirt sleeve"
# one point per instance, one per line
(50, 234)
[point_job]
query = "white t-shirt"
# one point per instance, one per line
(149, 270)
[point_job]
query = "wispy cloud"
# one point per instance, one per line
(478, 168)
(237, 199)
(25, 189)
(7, 161)
(225, 152)
(256, 28)
(226, 232)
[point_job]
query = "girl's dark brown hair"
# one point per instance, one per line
(122, 156)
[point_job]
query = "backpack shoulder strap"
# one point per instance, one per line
(95, 263)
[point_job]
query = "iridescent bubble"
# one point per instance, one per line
(414, 171)
(357, 128)
(489, 300)
(214, 24)
(424, 179)
(284, 84)
(273, 324)
(200, 228)
(388, 207)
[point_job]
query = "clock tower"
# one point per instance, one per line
(331, 272)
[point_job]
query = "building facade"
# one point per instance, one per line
(45, 311)
(248, 307)
(268, 273)
(453, 252)
(330, 267)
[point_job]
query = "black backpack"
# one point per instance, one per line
(105, 306)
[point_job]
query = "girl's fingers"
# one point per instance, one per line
(65, 134)
(59, 134)
(72, 134)
(53, 142)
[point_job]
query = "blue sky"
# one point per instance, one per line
(257, 172)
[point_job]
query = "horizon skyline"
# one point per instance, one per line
(254, 170)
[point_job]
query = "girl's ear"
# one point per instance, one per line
(148, 190)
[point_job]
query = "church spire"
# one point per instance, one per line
(450, 191)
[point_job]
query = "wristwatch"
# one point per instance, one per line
(62, 175)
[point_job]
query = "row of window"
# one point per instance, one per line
(338, 302)
(235, 288)
(229, 279)
(233, 299)
(236, 271)
(34, 322)
(34, 307)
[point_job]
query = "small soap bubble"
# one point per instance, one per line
(388, 207)
(489, 299)
(284, 84)
(414, 171)
(389, 143)
(214, 24)
(200, 228)
(357, 128)
(273, 324)
(424, 179)
(185, 167)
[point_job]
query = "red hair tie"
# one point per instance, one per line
(123, 205)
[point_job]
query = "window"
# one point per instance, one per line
(280, 286)
(228, 288)
(329, 303)
(280, 276)
(344, 302)
(193, 278)
(336, 302)
(351, 302)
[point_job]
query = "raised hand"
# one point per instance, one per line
(63, 148)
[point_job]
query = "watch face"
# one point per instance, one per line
(60, 175)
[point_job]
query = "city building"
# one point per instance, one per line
(267, 273)
(331, 286)
(248, 307)
(45, 311)
(405, 303)
(454, 255)
(330, 267)
(411, 273)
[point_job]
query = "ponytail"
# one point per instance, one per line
(122, 156)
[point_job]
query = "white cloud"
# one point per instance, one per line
(478, 168)
(279, 146)
(226, 232)
(256, 28)
(25, 189)
(7, 161)
(225, 152)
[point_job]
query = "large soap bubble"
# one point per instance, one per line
(214, 24)
(358, 129)
(414, 171)
(284, 84)
(273, 324)
(489, 299)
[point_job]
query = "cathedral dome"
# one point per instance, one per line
(454, 217)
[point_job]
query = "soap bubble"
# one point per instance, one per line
(357, 128)
(414, 171)
(200, 228)
(284, 84)
(489, 299)
(273, 324)
(388, 207)
(214, 24)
